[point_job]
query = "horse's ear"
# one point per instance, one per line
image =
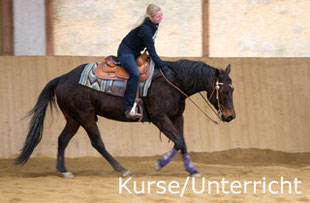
(217, 73)
(228, 68)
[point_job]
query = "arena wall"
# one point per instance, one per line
(238, 28)
(271, 101)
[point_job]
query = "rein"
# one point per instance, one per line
(217, 87)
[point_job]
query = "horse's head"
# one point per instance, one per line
(221, 96)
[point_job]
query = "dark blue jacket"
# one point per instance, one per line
(139, 38)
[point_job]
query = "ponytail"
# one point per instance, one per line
(140, 21)
(151, 10)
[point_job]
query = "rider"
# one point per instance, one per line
(137, 40)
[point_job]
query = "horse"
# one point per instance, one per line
(163, 106)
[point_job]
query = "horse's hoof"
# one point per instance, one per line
(126, 173)
(68, 175)
(157, 165)
(195, 174)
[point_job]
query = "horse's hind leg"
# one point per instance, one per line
(96, 141)
(68, 132)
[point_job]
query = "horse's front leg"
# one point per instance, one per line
(166, 158)
(166, 126)
(179, 123)
(174, 131)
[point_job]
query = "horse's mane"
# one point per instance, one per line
(192, 72)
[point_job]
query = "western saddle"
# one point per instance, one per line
(111, 68)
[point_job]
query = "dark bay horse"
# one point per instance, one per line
(163, 106)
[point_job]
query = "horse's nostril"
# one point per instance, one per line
(230, 118)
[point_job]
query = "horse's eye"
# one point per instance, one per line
(225, 92)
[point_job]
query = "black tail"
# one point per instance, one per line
(36, 124)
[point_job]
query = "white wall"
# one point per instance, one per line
(238, 28)
(96, 28)
(29, 27)
(260, 28)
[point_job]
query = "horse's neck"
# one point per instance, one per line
(197, 83)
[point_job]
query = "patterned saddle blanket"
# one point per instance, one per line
(114, 87)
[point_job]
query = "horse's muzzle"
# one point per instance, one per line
(228, 115)
(230, 118)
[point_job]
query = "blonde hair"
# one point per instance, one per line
(151, 11)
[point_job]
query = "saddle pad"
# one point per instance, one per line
(113, 87)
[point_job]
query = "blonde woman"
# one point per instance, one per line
(135, 41)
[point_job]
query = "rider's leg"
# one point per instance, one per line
(129, 63)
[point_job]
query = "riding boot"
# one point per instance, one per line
(133, 112)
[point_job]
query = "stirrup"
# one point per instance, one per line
(133, 114)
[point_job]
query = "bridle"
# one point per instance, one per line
(219, 112)
(216, 88)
